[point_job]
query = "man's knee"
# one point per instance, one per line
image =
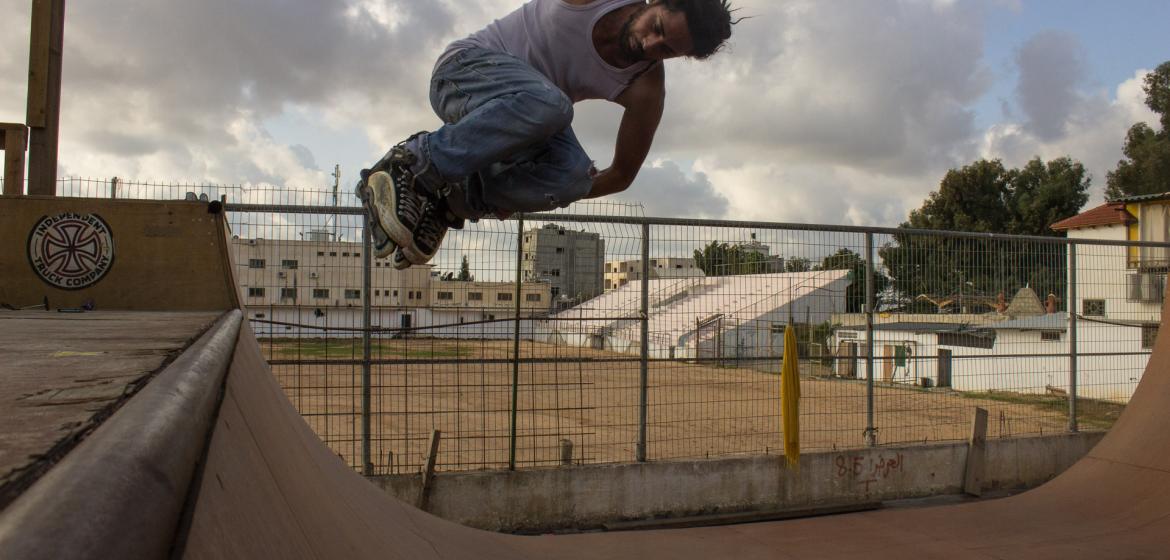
(551, 111)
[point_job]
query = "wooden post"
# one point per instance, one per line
(973, 479)
(566, 452)
(424, 494)
(44, 94)
(14, 141)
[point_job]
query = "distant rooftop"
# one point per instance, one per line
(1108, 214)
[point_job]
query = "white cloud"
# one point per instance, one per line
(847, 111)
(1094, 133)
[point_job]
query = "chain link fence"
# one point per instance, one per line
(597, 335)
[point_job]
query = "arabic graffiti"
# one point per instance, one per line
(866, 470)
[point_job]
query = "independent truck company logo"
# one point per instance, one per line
(71, 251)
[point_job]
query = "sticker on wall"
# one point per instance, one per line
(71, 251)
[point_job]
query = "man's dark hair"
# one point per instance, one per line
(709, 22)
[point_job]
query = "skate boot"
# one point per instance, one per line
(388, 192)
(399, 260)
(383, 245)
(428, 235)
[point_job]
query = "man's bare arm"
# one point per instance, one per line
(643, 102)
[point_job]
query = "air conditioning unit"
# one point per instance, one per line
(251, 242)
(313, 275)
(281, 274)
(1146, 287)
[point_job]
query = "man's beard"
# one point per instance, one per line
(630, 48)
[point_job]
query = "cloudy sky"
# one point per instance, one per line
(822, 111)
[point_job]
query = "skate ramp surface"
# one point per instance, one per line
(272, 489)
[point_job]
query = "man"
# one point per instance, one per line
(506, 95)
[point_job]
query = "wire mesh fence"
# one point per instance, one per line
(597, 335)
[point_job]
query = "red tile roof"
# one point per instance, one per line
(1108, 214)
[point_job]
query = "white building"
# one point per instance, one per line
(314, 288)
(1119, 298)
(620, 273)
(723, 317)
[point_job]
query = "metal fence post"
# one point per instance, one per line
(1072, 337)
(367, 280)
(516, 346)
(644, 377)
(870, 429)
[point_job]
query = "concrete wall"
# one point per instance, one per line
(589, 496)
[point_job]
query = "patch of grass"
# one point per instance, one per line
(344, 349)
(1091, 413)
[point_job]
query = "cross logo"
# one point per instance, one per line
(71, 251)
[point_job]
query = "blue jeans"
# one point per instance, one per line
(507, 140)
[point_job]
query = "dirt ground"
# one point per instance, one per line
(592, 401)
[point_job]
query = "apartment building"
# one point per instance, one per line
(571, 262)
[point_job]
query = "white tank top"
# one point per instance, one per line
(556, 38)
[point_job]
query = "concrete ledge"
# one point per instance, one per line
(121, 492)
(592, 496)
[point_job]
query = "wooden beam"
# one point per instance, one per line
(424, 494)
(976, 450)
(14, 140)
(46, 47)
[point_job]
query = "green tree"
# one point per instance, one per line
(985, 197)
(797, 264)
(724, 259)
(1146, 167)
(844, 259)
(465, 271)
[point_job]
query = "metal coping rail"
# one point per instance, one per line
(653, 221)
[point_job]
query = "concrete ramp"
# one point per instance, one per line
(272, 489)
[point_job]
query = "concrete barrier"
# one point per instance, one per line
(593, 496)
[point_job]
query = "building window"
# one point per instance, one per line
(560, 249)
(1050, 336)
(531, 297)
(1094, 307)
(320, 253)
(966, 340)
(445, 296)
(418, 295)
(410, 295)
(377, 293)
(320, 293)
(332, 253)
(288, 293)
(353, 294)
(288, 264)
(345, 254)
(395, 293)
(256, 263)
(474, 296)
(255, 292)
(503, 296)
(556, 291)
(555, 272)
(1149, 335)
(259, 315)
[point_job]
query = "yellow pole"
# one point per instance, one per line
(790, 399)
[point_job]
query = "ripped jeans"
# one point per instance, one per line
(507, 141)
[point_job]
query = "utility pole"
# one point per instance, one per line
(336, 184)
